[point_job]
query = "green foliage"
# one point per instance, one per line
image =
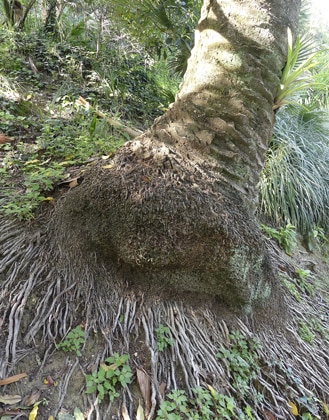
(291, 287)
(294, 186)
(205, 404)
(296, 76)
(317, 327)
(168, 26)
(305, 333)
(286, 236)
(39, 108)
(303, 280)
(241, 359)
(163, 336)
(316, 239)
(73, 341)
(114, 372)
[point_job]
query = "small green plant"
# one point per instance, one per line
(286, 236)
(163, 337)
(305, 333)
(319, 327)
(73, 341)
(296, 76)
(206, 404)
(316, 238)
(113, 372)
(241, 359)
(303, 280)
(308, 407)
(291, 287)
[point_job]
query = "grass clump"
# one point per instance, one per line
(294, 186)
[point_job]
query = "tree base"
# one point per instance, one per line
(167, 221)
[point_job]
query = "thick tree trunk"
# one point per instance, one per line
(173, 212)
(225, 105)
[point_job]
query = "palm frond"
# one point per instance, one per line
(296, 76)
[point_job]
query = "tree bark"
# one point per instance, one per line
(173, 212)
(225, 104)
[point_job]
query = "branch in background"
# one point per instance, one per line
(27, 10)
(113, 122)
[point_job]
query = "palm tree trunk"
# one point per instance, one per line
(173, 213)
(224, 106)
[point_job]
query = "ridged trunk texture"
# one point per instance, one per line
(225, 104)
(173, 212)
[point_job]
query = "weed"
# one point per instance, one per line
(291, 287)
(113, 372)
(317, 327)
(73, 341)
(163, 337)
(206, 404)
(36, 181)
(286, 237)
(316, 239)
(303, 281)
(304, 332)
(241, 359)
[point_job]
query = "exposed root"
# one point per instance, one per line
(43, 296)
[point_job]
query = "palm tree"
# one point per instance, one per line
(176, 206)
(170, 217)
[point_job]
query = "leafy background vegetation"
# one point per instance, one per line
(98, 52)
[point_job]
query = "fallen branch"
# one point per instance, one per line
(113, 122)
(12, 379)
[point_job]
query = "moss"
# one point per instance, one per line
(249, 267)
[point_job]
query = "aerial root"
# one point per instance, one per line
(63, 295)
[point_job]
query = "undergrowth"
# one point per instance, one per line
(51, 136)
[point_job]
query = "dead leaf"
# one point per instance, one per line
(32, 398)
(10, 399)
(105, 157)
(144, 382)
(293, 408)
(73, 183)
(268, 415)
(140, 412)
(107, 367)
(162, 389)
(49, 381)
(34, 412)
(124, 412)
(12, 379)
(108, 166)
(4, 139)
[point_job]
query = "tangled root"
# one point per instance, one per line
(44, 296)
